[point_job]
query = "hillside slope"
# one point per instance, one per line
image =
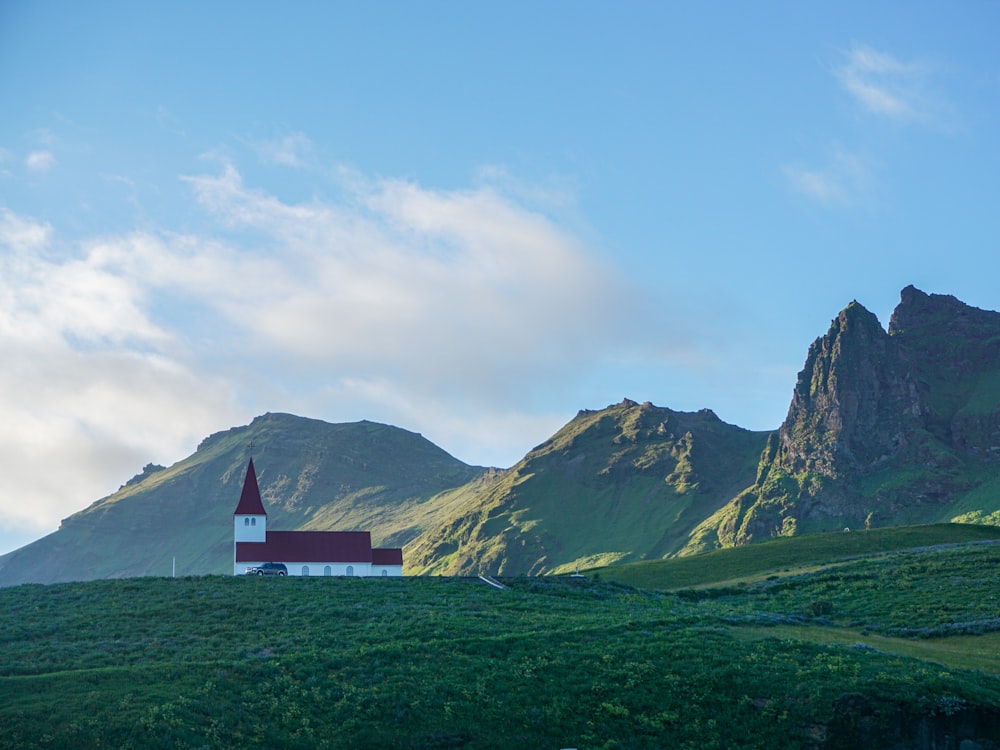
(792, 556)
(313, 475)
(625, 483)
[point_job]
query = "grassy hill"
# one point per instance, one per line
(313, 475)
(893, 647)
(625, 483)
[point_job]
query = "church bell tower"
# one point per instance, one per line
(249, 518)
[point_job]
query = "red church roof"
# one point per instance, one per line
(309, 547)
(387, 557)
(250, 504)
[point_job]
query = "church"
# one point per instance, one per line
(304, 553)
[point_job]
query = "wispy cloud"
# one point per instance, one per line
(892, 88)
(169, 122)
(40, 161)
(846, 179)
(292, 150)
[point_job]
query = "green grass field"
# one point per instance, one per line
(861, 649)
(784, 554)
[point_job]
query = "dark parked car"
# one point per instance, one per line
(268, 569)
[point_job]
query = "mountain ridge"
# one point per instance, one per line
(639, 471)
(885, 427)
(882, 423)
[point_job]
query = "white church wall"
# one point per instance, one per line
(319, 569)
(360, 569)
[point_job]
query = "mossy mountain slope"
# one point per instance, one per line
(885, 428)
(312, 475)
(625, 483)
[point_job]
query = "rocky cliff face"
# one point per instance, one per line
(954, 352)
(856, 404)
(881, 424)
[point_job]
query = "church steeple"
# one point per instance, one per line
(250, 503)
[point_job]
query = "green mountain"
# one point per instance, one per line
(885, 428)
(312, 475)
(626, 483)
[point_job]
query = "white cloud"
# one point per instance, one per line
(894, 89)
(89, 391)
(77, 424)
(22, 235)
(446, 312)
(40, 161)
(845, 180)
(423, 281)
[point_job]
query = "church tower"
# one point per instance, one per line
(249, 518)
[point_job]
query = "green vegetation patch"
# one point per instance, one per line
(787, 553)
(447, 662)
(981, 652)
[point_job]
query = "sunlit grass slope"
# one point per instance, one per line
(433, 662)
(625, 483)
(789, 554)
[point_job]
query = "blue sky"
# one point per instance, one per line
(467, 220)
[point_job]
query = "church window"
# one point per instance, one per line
(326, 570)
(305, 570)
(350, 570)
(253, 521)
(246, 521)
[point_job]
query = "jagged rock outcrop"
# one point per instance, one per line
(855, 404)
(954, 352)
(882, 425)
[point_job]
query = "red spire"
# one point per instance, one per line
(250, 504)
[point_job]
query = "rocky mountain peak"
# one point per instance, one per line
(848, 401)
(879, 420)
(920, 313)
